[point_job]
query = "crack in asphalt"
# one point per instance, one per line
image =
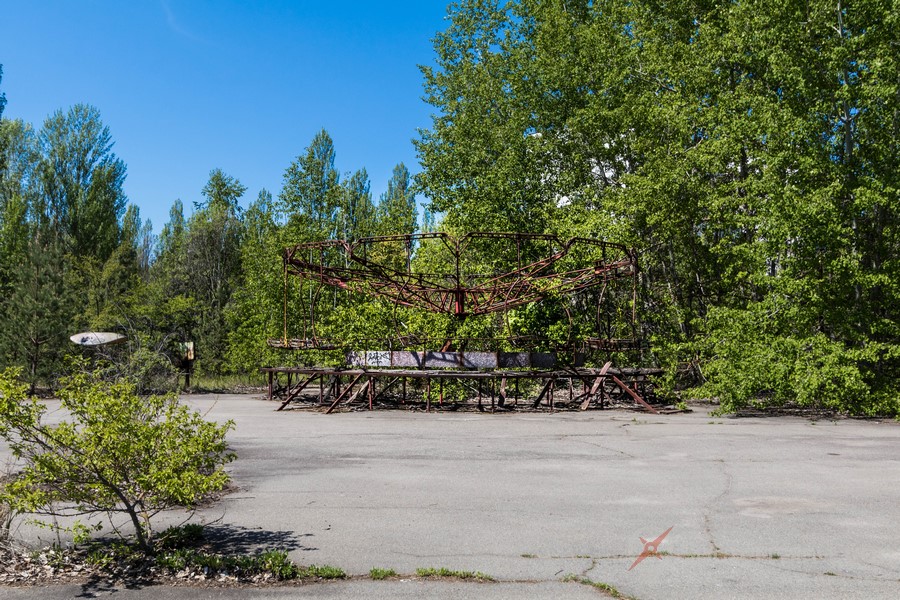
(707, 512)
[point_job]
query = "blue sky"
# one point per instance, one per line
(188, 86)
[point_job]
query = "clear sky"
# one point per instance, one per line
(187, 86)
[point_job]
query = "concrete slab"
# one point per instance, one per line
(760, 507)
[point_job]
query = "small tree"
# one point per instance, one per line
(119, 453)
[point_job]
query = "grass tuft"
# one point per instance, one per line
(379, 574)
(444, 572)
(613, 592)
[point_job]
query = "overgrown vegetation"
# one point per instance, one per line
(178, 553)
(378, 574)
(444, 572)
(610, 590)
(746, 150)
(118, 453)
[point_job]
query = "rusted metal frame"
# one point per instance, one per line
(532, 293)
(390, 290)
(346, 392)
(493, 377)
(385, 389)
(530, 270)
(540, 397)
(597, 385)
(296, 392)
(329, 387)
(502, 400)
(472, 235)
(482, 298)
(633, 394)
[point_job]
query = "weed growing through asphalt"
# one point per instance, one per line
(598, 585)
(379, 574)
(444, 572)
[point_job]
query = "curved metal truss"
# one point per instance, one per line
(478, 273)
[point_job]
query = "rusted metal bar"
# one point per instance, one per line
(297, 391)
(598, 384)
(385, 389)
(461, 293)
(540, 397)
(634, 395)
(498, 383)
(344, 393)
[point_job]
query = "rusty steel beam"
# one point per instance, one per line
(456, 291)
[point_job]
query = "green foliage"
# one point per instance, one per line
(747, 150)
(750, 362)
(255, 312)
(321, 572)
(397, 208)
(356, 215)
(182, 549)
(213, 260)
(118, 453)
(445, 572)
(81, 182)
(148, 370)
(605, 587)
(311, 193)
(379, 574)
(38, 311)
(189, 534)
(744, 148)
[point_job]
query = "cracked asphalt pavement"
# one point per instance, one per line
(762, 507)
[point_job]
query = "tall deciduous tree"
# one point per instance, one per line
(311, 193)
(81, 181)
(397, 207)
(744, 147)
(213, 260)
(356, 213)
(255, 313)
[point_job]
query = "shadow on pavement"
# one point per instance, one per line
(232, 539)
(221, 539)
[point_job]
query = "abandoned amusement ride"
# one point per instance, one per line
(490, 321)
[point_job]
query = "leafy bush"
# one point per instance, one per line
(179, 550)
(119, 453)
(750, 363)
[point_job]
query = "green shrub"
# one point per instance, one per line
(749, 362)
(134, 455)
(379, 574)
